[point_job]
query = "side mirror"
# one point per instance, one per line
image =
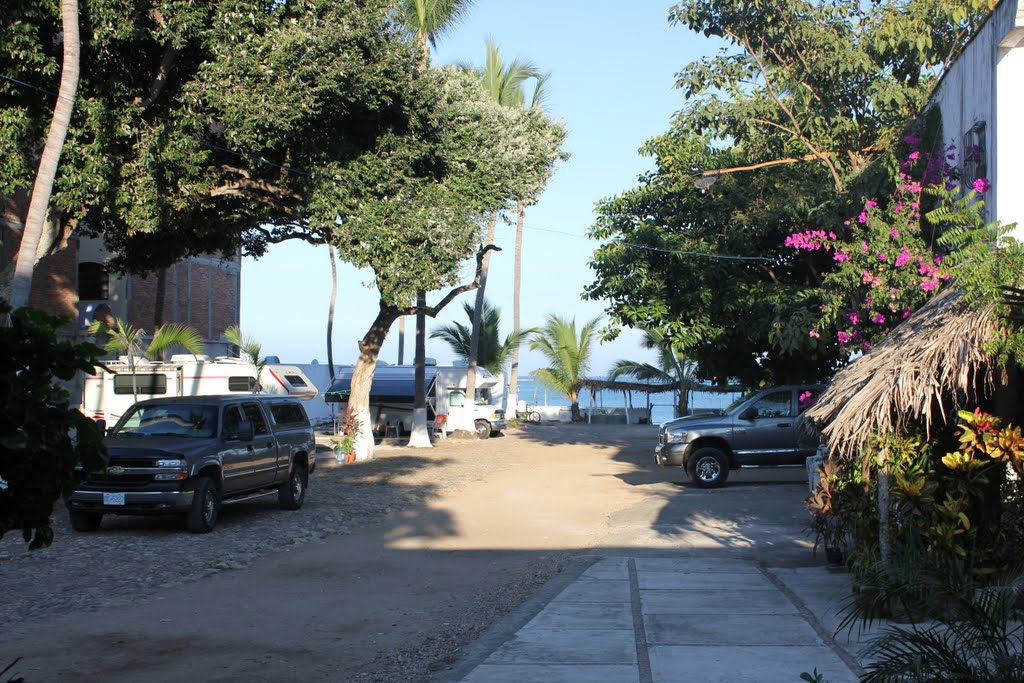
(749, 413)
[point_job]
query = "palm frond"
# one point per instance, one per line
(174, 334)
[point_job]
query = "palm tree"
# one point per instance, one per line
(504, 83)
(568, 355)
(673, 368)
(493, 354)
(426, 19)
(126, 339)
(31, 236)
(330, 313)
(249, 348)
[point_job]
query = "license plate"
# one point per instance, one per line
(113, 499)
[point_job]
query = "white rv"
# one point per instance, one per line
(112, 390)
(393, 392)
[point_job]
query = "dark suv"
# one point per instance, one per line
(757, 429)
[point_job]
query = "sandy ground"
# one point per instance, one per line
(399, 599)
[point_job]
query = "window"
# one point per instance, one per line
(255, 415)
(775, 404)
(147, 383)
(246, 384)
(93, 282)
(288, 414)
(974, 155)
(456, 399)
(174, 419)
(232, 420)
(295, 381)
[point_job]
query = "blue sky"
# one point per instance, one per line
(613, 70)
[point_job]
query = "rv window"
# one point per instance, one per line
(290, 414)
(148, 383)
(255, 415)
(483, 397)
(456, 399)
(295, 380)
(246, 384)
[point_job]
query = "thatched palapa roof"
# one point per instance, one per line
(922, 372)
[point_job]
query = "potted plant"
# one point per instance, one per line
(825, 521)
(345, 448)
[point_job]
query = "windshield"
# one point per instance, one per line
(176, 419)
(738, 402)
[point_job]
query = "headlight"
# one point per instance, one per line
(676, 436)
(170, 463)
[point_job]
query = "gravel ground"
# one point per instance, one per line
(134, 557)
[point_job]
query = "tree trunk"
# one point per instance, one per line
(401, 340)
(683, 406)
(517, 279)
(478, 315)
(575, 412)
(330, 312)
(161, 299)
(362, 378)
(419, 437)
(48, 162)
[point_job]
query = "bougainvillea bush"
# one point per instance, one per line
(888, 259)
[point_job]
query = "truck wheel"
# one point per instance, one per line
(708, 468)
(483, 429)
(85, 521)
(533, 417)
(292, 493)
(202, 517)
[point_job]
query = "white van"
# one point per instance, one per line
(109, 393)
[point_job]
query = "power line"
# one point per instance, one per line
(664, 250)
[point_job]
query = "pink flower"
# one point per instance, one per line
(929, 285)
(844, 338)
(862, 218)
(981, 185)
(906, 313)
(912, 140)
(895, 234)
(867, 346)
(868, 300)
(853, 318)
(914, 156)
(904, 257)
(864, 247)
(871, 203)
(806, 398)
(840, 256)
(878, 319)
(814, 333)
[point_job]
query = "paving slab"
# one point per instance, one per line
(533, 645)
(553, 673)
(689, 581)
(739, 664)
(696, 564)
(724, 629)
(716, 602)
(608, 591)
(584, 616)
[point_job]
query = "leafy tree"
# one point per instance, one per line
(127, 339)
(42, 438)
(568, 353)
(673, 368)
(198, 127)
(494, 354)
(785, 129)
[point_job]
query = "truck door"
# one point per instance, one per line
(263, 449)
(236, 463)
(769, 437)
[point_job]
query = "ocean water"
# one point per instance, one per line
(662, 405)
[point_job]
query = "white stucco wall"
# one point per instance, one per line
(986, 84)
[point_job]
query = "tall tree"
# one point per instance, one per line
(427, 19)
(494, 353)
(505, 85)
(39, 206)
(673, 368)
(330, 312)
(796, 119)
(568, 354)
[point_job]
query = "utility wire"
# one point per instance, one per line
(311, 174)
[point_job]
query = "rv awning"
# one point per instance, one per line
(392, 384)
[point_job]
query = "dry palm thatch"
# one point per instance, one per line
(920, 373)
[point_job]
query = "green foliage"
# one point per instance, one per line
(568, 352)
(248, 346)
(224, 150)
(800, 114)
(493, 354)
(673, 367)
(42, 438)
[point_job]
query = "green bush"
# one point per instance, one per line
(42, 438)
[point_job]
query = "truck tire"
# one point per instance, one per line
(292, 493)
(708, 468)
(202, 517)
(533, 417)
(85, 521)
(482, 429)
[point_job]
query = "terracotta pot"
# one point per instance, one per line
(350, 457)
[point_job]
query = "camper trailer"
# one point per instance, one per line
(114, 388)
(392, 396)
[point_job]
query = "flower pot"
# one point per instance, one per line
(350, 457)
(834, 558)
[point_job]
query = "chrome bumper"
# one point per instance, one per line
(135, 503)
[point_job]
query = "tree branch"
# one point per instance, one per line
(279, 236)
(432, 311)
(160, 80)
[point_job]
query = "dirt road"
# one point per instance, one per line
(491, 524)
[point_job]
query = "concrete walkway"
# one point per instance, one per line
(662, 619)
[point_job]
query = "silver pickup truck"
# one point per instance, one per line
(757, 429)
(188, 455)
